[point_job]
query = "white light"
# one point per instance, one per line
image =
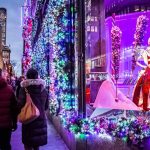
(105, 136)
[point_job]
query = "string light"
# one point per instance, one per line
(133, 129)
(138, 37)
(50, 53)
(27, 36)
(116, 35)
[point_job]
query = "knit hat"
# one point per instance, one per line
(32, 74)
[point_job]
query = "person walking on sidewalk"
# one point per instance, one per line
(8, 113)
(34, 134)
(18, 81)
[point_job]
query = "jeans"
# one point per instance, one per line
(5, 136)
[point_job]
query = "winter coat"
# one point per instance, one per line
(18, 88)
(8, 105)
(35, 133)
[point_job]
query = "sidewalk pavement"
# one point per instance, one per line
(54, 140)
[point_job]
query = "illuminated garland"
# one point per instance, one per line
(132, 129)
(27, 36)
(29, 30)
(138, 37)
(116, 43)
(50, 55)
(39, 6)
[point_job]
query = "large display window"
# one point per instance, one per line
(117, 57)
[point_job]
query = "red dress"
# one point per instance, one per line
(144, 85)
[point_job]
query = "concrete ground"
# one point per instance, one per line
(54, 140)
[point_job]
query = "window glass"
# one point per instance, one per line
(129, 62)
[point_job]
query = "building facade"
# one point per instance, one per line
(3, 23)
(4, 49)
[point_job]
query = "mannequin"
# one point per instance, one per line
(144, 81)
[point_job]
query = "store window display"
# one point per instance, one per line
(100, 90)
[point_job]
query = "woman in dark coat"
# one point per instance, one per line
(34, 134)
(8, 113)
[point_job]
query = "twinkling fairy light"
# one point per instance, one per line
(116, 35)
(50, 55)
(138, 37)
(132, 129)
(27, 36)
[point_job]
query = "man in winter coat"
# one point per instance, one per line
(34, 134)
(8, 113)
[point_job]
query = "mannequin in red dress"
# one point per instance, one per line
(144, 81)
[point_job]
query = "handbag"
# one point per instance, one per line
(29, 112)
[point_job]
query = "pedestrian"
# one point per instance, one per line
(13, 82)
(18, 81)
(34, 134)
(8, 113)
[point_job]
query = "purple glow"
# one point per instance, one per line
(119, 3)
(127, 24)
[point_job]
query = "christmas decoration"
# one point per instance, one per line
(116, 43)
(138, 37)
(132, 129)
(27, 36)
(51, 54)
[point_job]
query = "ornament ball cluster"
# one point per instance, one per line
(138, 37)
(116, 44)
